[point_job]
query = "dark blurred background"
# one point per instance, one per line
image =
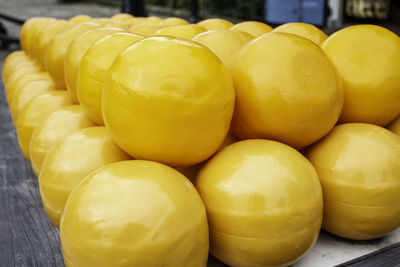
(323, 13)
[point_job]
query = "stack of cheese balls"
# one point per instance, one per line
(156, 141)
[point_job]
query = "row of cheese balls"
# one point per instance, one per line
(318, 107)
(263, 198)
(64, 56)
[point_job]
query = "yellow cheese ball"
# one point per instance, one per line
(93, 71)
(145, 29)
(75, 52)
(286, 90)
(15, 57)
(70, 161)
(367, 58)
(29, 35)
(31, 38)
(26, 94)
(46, 35)
(253, 28)
(173, 21)
(225, 44)
(19, 72)
(394, 126)
(182, 31)
(358, 166)
(304, 30)
(122, 17)
(215, 24)
(263, 201)
(125, 215)
(118, 24)
(58, 48)
(138, 20)
(10, 62)
(25, 79)
(168, 100)
(14, 64)
(26, 28)
(102, 21)
(35, 112)
(153, 19)
(37, 34)
(54, 129)
(80, 18)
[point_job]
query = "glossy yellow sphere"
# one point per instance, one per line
(25, 29)
(37, 33)
(54, 129)
(122, 17)
(14, 64)
(286, 90)
(145, 29)
(93, 71)
(182, 31)
(15, 58)
(172, 21)
(26, 93)
(11, 61)
(35, 76)
(153, 19)
(168, 100)
(102, 21)
(225, 44)
(118, 24)
(125, 215)
(70, 162)
(215, 24)
(138, 20)
(57, 49)
(75, 52)
(358, 165)
(263, 201)
(31, 36)
(253, 28)
(367, 58)
(80, 18)
(46, 35)
(304, 30)
(13, 70)
(15, 55)
(35, 112)
(22, 70)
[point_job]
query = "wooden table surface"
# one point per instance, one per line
(27, 238)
